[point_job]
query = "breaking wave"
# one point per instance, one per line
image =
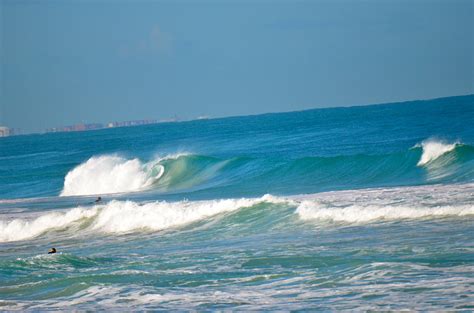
(124, 217)
(350, 206)
(388, 204)
(309, 210)
(432, 161)
(111, 174)
(433, 149)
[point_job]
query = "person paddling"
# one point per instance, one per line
(52, 251)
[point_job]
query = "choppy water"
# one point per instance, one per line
(350, 208)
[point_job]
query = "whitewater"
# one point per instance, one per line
(359, 208)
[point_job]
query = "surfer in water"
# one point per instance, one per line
(99, 199)
(52, 251)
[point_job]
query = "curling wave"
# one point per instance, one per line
(431, 161)
(111, 174)
(433, 149)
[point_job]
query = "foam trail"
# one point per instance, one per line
(308, 210)
(126, 216)
(433, 149)
(110, 174)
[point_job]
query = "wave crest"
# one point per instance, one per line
(126, 216)
(433, 149)
(309, 210)
(430, 161)
(20, 229)
(110, 174)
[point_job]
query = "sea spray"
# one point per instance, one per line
(110, 174)
(433, 149)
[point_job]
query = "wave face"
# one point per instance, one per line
(430, 161)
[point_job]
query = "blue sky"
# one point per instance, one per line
(64, 62)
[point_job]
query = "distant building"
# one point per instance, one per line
(75, 128)
(4, 131)
(83, 127)
(131, 123)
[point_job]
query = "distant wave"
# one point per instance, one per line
(432, 161)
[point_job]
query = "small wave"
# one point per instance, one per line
(111, 174)
(388, 204)
(433, 149)
(126, 216)
(309, 210)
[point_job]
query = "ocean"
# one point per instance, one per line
(354, 208)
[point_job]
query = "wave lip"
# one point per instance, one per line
(433, 149)
(110, 174)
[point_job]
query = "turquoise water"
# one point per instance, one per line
(338, 209)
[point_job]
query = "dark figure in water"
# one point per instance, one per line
(52, 251)
(99, 199)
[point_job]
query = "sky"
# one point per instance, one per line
(65, 62)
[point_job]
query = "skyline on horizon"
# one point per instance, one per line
(87, 126)
(94, 62)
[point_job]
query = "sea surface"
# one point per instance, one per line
(356, 208)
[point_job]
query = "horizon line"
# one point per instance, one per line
(207, 117)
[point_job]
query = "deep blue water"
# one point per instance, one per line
(366, 207)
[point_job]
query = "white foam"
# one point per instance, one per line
(433, 149)
(20, 229)
(309, 210)
(110, 174)
(387, 204)
(125, 216)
